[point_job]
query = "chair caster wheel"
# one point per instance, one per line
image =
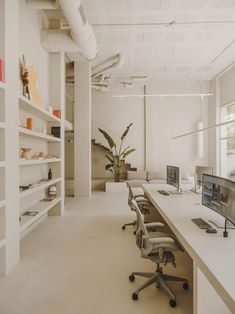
(185, 286)
(123, 227)
(172, 303)
(134, 296)
(134, 232)
(132, 278)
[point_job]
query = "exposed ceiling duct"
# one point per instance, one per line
(74, 35)
(113, 62)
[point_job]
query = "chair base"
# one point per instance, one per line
(134, 224)
(160, 280)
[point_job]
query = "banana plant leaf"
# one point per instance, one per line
(126, 131)
(124, 150)
(128, 152)
(109, 139)
(109, 158)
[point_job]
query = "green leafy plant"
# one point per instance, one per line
(116, 155)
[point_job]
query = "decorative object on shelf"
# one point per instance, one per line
(50, 109)
(29, 123)
(57, 113)
(28, 213)
(24, 77)
(42, 155)
(44, 129)
(116, 156)
(55, 130)
(33, 85)
(52, 192)
(2, 71)
(49, 174)
(23, 187)
(26, 153)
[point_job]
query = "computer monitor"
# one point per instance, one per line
(219, 195)
(173, 177)
(198, 176)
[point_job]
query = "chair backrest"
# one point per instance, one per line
(130, 195)
(140, 222)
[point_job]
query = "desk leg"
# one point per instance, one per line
(195, 287)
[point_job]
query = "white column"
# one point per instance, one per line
(82, 129)
(57, 100)
(12, 142)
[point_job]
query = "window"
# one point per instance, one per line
(227, 143)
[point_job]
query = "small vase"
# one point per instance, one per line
(26, 153)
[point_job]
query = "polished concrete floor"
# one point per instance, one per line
(80, 263)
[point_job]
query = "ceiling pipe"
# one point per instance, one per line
(100, 88)
(43, 4)
(81, 38)
(113, 62)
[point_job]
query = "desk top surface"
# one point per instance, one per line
(214, 254)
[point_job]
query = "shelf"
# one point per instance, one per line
(42, 208)
(2, 203)
(24, 162)
(2, 85)
(2, 125)
(2, 243)
(2, 164)
(27, 105)
(39, 187)
(68, 125)
(42, 136)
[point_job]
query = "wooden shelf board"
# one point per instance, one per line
(42, 136)
(2, 85)
(42, 208)
(24, 162)
(27, 105)
(39, 187)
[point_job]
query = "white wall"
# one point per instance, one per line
(29, 40)
(114, 115)
(165, 118)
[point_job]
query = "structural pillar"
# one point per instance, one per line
(82, 129)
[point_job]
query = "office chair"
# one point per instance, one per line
(157, 247)
(143, 202)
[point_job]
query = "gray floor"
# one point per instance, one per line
(80, 263)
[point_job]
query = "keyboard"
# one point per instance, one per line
(202, 224)
(163, 192)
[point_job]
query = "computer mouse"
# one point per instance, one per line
(211, 230)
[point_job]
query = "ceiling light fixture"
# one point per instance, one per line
(163, 95)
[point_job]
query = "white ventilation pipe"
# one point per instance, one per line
(82, 38)
(103, 88)
(112, 62)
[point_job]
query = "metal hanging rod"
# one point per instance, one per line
(162, 24)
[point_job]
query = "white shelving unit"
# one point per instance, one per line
(35, 134)
(42, 208)
(39, 187)
(13, 169)
(24, 162)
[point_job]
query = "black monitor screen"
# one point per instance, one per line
(219, 195)
(173, 176)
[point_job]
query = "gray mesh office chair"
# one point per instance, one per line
(143, 202)
(157, 247)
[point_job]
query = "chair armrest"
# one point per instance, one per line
(161, 240)
(153, 225)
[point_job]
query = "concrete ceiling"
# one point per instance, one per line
(190, 47)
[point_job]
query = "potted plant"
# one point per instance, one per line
(116, 155)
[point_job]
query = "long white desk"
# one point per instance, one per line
(212, 254)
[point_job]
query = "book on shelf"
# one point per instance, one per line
(2, 71)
